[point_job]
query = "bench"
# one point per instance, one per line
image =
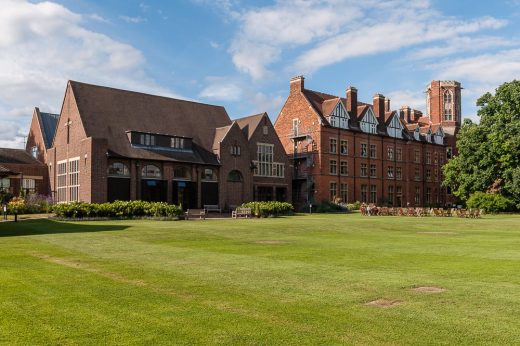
(200, 213)
(241, 212)
(212, 207)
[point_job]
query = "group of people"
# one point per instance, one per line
(373, 210)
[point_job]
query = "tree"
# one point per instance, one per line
(488, 158)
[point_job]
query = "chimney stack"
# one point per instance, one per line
(352, 101)
(387, 104)
(379, 108)
(405, 114)
(297, 84)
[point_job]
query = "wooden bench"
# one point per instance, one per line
(200, 213)
(212, 207)
(241, 212)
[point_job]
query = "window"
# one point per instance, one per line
(235, 150)
(363, 152)
(5, 184)
(390, 172)
(373, 171)
(448, 105)
(449, 153)
(344, 193)
(364, 171)
(62, 181)
(398, 173)
(398, 196)
(333, 168)
(373, 194)
(344, 147)
(295, 126)
(436, 174)
(265, 130)
(428, 195)
(74, 180)
(428, 157)
(332, 190)
(118, 169)
(209, 174)
(364, 193)
(428, 174)
(333, 145)
(343, 170)
(417, 195)
(417, 173)
(369, 122)
(373, 153)
(435, 160)
(390, 153)
(417, 156)
(147, 139)
(182, 172)
(399, 154)
(34, 152)
(235, 176)
(177, 143)
(151, 171)
(29, 185)
(265, 166)
(391, 194)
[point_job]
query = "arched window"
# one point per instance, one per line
(151, 171)
(209, 174)
(448, 105)
(235, 176)
(118, 169)
(181, 173)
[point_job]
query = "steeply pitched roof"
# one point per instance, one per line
(48, 123)
(250, 123)
(18, 156)
(108, 113)
(220, 133)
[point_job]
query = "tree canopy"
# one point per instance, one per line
(488, 158)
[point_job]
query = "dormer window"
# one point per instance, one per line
(177, 143)
(416, 134)
(339, 117)
(147, 139)
(395, 129)
(369, 122)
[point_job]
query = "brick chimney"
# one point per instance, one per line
(387, 104)
(379, 108)
(405, 114)
(352, 101)
(297, 84)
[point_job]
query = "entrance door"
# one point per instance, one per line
(185, 194)
(153, 190)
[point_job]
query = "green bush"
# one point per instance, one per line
(119, 209)
(330, 207)
(354, 206)
(490, 202)
(272, 208)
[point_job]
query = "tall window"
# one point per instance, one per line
(364, 193)
(62, 181)
(417, 195)
(417, 156)
(177, 143)
(333, 190)
(29, 185)
(151, 171)
(147, 139)
(364, 171)
(363, 152)
(398, 196)
(391, 194)
(428, 174)
(373, 173)
(34, 152)
(428, 157)
(448, 105)
(373, 194)
(390, 153)
(399, 154)
(343, 168)
(344, 147)
(333, 169)
(5, 184)
(344, 192)
(295, 126)
(417, 174)
(333, 145)
(428, 195)
(398, 173)
(265, 166)
(390, 172)
(373, 153)
(74, 179)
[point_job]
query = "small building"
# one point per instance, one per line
(21, 174)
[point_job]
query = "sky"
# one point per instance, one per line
(241, 54)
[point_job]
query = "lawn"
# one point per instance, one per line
(287, 281)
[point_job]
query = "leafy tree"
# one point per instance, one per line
(489, 153)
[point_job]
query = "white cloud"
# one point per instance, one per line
(220, 89)
(96, 17)
(133, 20)
(43, 45)
(412, 98)
(324, 32)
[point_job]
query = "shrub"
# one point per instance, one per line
(329, 207)
(354, 206)
(36, 204)
(120, 209)
(16, 206)
(271, 208)
(490, 202)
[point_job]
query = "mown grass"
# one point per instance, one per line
(300, 280)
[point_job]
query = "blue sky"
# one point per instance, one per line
(241, 54)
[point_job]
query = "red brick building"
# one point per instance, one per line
(343, 149)
(22, 173)
(112, 144)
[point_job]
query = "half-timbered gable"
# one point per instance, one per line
(369, 122)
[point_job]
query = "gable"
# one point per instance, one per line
(339, 116)
(395, 128)
(369, 122)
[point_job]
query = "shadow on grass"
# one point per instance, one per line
(40, 227)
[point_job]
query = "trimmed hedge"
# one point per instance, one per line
(119, 209)
(490, 202)
(272, 208)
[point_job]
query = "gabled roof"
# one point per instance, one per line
(437, 127)
(316, 100)
(249, 123)
(361, 110)
(424, 120)
(329, 106)
(48, 124)
(425, 129)
(412, 127)
(18, 156)
(108, 113)
(220, 133)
